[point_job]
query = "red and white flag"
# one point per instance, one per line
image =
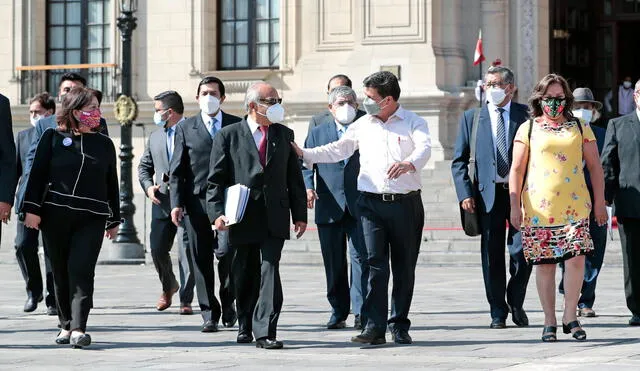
(477, 55)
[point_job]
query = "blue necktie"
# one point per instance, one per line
(502, 150)
(341, 131)
(212, 128)
(169, 142)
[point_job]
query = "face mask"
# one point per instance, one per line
(61, 97)
(275, 113)
(583, 113)
(209, 104)
(90, 119)
(34, 120)
(626, 84)
(345, 114)
(496, 95)
(553, 107)
(371, 107)
(157, 119)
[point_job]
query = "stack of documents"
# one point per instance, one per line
(235, 203)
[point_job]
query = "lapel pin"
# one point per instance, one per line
(273, 144)
(66, 142)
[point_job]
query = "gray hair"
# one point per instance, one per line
(253, 95)
(637, 88)
(505, 73)
(341, 91)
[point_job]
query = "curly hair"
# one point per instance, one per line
(535, 109)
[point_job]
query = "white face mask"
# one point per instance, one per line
(275, 113)
(157, 119)
(583, 113)
(209, 104)
(626, 84)
(496, 95)
(34, 120)
(345, 114)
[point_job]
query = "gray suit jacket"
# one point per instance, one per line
(153, 169)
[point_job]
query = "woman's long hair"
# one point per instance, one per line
(75, 99)
(535, 109)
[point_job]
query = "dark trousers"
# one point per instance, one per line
(335, 238)
(592, 265)
(201, 242)
(29, 263)
(162, 235)
(492, 243)
(629, 229)
(224, 254)
(257, 286)
(73, 240)
(391, 230)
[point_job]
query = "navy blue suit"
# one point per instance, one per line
(492, 202)
(336, 217)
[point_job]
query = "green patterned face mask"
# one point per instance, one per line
(553, 107)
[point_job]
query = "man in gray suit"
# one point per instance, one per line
(326, 116)
(153, 173)
(7, 162)
(621, 164)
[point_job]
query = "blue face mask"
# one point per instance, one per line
(157, 119)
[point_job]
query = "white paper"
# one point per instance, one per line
(609, 222)
(235, 203)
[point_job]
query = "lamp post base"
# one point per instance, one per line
(121, 253)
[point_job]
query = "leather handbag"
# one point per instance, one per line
(471, 221)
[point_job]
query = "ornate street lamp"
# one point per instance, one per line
(126, 242)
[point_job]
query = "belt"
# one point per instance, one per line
(390, 197)
(503, 185)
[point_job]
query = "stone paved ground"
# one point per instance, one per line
(449, 329)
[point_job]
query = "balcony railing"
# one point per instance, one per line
(37, 79)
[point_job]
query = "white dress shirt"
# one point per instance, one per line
(404, 137)
(207, 120)
(493, 114)
(254, 128)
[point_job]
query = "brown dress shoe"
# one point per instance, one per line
(186, 309)
(165, 299)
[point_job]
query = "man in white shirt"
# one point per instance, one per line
(394, 145)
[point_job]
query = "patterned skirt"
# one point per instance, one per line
(553, 244)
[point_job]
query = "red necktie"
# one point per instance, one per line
(262, 146)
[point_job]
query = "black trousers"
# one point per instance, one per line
(29, 263)
(73, 240)
(224, 254)
(202, 242)
(492, 246)
(258, 289)
(335, 239)
(185, 261)
(391, 230)
(629, 229)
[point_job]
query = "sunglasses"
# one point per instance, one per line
(270, 101)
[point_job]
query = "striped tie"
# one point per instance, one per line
(501, 147)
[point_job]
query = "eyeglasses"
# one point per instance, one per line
(270, 101)
(493, 84)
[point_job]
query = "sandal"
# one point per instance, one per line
(579, 335)
(549, 334)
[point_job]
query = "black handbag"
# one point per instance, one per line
(471, 221)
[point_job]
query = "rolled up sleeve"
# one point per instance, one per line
(422, 142)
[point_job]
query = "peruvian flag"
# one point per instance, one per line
(477, 55)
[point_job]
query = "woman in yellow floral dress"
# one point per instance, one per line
(549, 151)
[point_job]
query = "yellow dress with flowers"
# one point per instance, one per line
(555, 198)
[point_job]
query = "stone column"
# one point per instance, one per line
(447, 45)
(495, 31)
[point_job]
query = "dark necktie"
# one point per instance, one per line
(502, 150)
(262, 146)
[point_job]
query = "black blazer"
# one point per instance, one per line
(153, 169)
(327, 117)
(276, 189)
(621, 164)
(7, 153)
(189, 166)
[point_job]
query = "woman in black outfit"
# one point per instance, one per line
(72, 196)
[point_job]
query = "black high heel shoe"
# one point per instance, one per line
(549, 334)
(579, 335)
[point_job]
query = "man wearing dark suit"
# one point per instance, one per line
(621, 164)
(326, 116)
(188, 182)
(488, 194)
(256, 152)
(336, 193)
(153, 172)
(42, 105)
(7, 161)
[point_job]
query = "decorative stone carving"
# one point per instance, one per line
(399, 21)
(527, 26)
(335, 25)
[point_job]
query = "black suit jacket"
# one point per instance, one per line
(190, 163)
(621, 164)
(276, 189)
(327, 117)
(7, 153)
(154, 170)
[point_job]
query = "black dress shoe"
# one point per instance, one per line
(229, 318)
(52, 311)
(31, 304)
(244, 338)
(266, 343)
(336, 325)
(80, 341)
(519, 317)
(401, 336)
(63, 339)
(369, 336)
(357, 323)
(209, 326)
(497, 323)
(635, 320)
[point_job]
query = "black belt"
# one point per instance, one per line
(503, 185)
(390, 197)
